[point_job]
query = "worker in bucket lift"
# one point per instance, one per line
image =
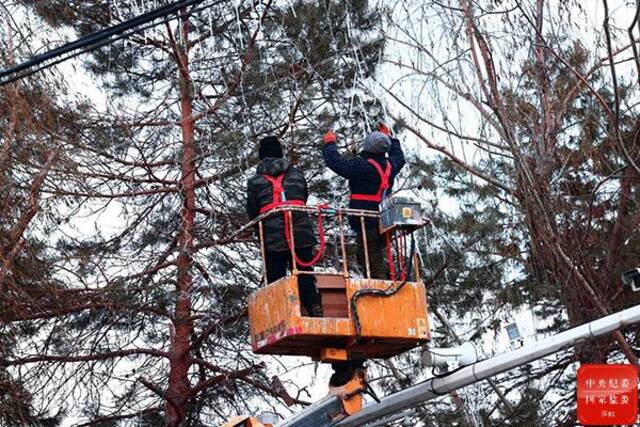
(371, 174)
(275, 183)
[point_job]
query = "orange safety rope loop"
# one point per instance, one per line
(390, 262)
(318, 255)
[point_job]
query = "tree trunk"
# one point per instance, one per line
(179, 387)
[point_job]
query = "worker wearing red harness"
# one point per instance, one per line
(277, 183)
(371, 174)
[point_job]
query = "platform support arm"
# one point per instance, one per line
(484, 369)
(318, 415)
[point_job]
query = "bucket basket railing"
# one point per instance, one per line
(331, 221)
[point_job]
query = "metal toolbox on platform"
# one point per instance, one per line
(400, 212)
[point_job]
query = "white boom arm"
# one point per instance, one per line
(484, 369)
(320, 413)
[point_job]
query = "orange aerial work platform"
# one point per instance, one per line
(367, 325)
(389, 325)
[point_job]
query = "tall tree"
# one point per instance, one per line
(156, 327)
(533, 127)
(32, 120)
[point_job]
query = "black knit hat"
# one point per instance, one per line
(270, 147)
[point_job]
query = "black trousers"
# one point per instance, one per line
(377, 260)
(278, 262)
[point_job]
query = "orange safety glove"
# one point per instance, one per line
(329, 137)
(384, 129)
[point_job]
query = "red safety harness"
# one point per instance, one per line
(278, 191)
(377, 197)
(384, 183)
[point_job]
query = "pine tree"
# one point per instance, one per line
(161, 332)
(32, 117)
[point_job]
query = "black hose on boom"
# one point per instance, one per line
(392, 289)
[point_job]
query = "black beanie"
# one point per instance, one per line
(270, 147)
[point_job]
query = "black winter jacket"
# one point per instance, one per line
(260, 193)
(363, 177)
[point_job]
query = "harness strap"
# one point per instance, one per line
(384, 183)
(272, 206)
(278, 193)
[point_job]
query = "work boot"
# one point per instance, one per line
(316, 310)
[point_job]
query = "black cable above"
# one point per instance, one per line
(93, 40)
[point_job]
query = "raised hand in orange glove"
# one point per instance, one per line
(384, 129)
(329, 137)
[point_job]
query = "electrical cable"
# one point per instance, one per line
(98, 36)
(78, 53)
(101, 44)
(95, 40)
(444, 374)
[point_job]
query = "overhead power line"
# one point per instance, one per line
(93, 41)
